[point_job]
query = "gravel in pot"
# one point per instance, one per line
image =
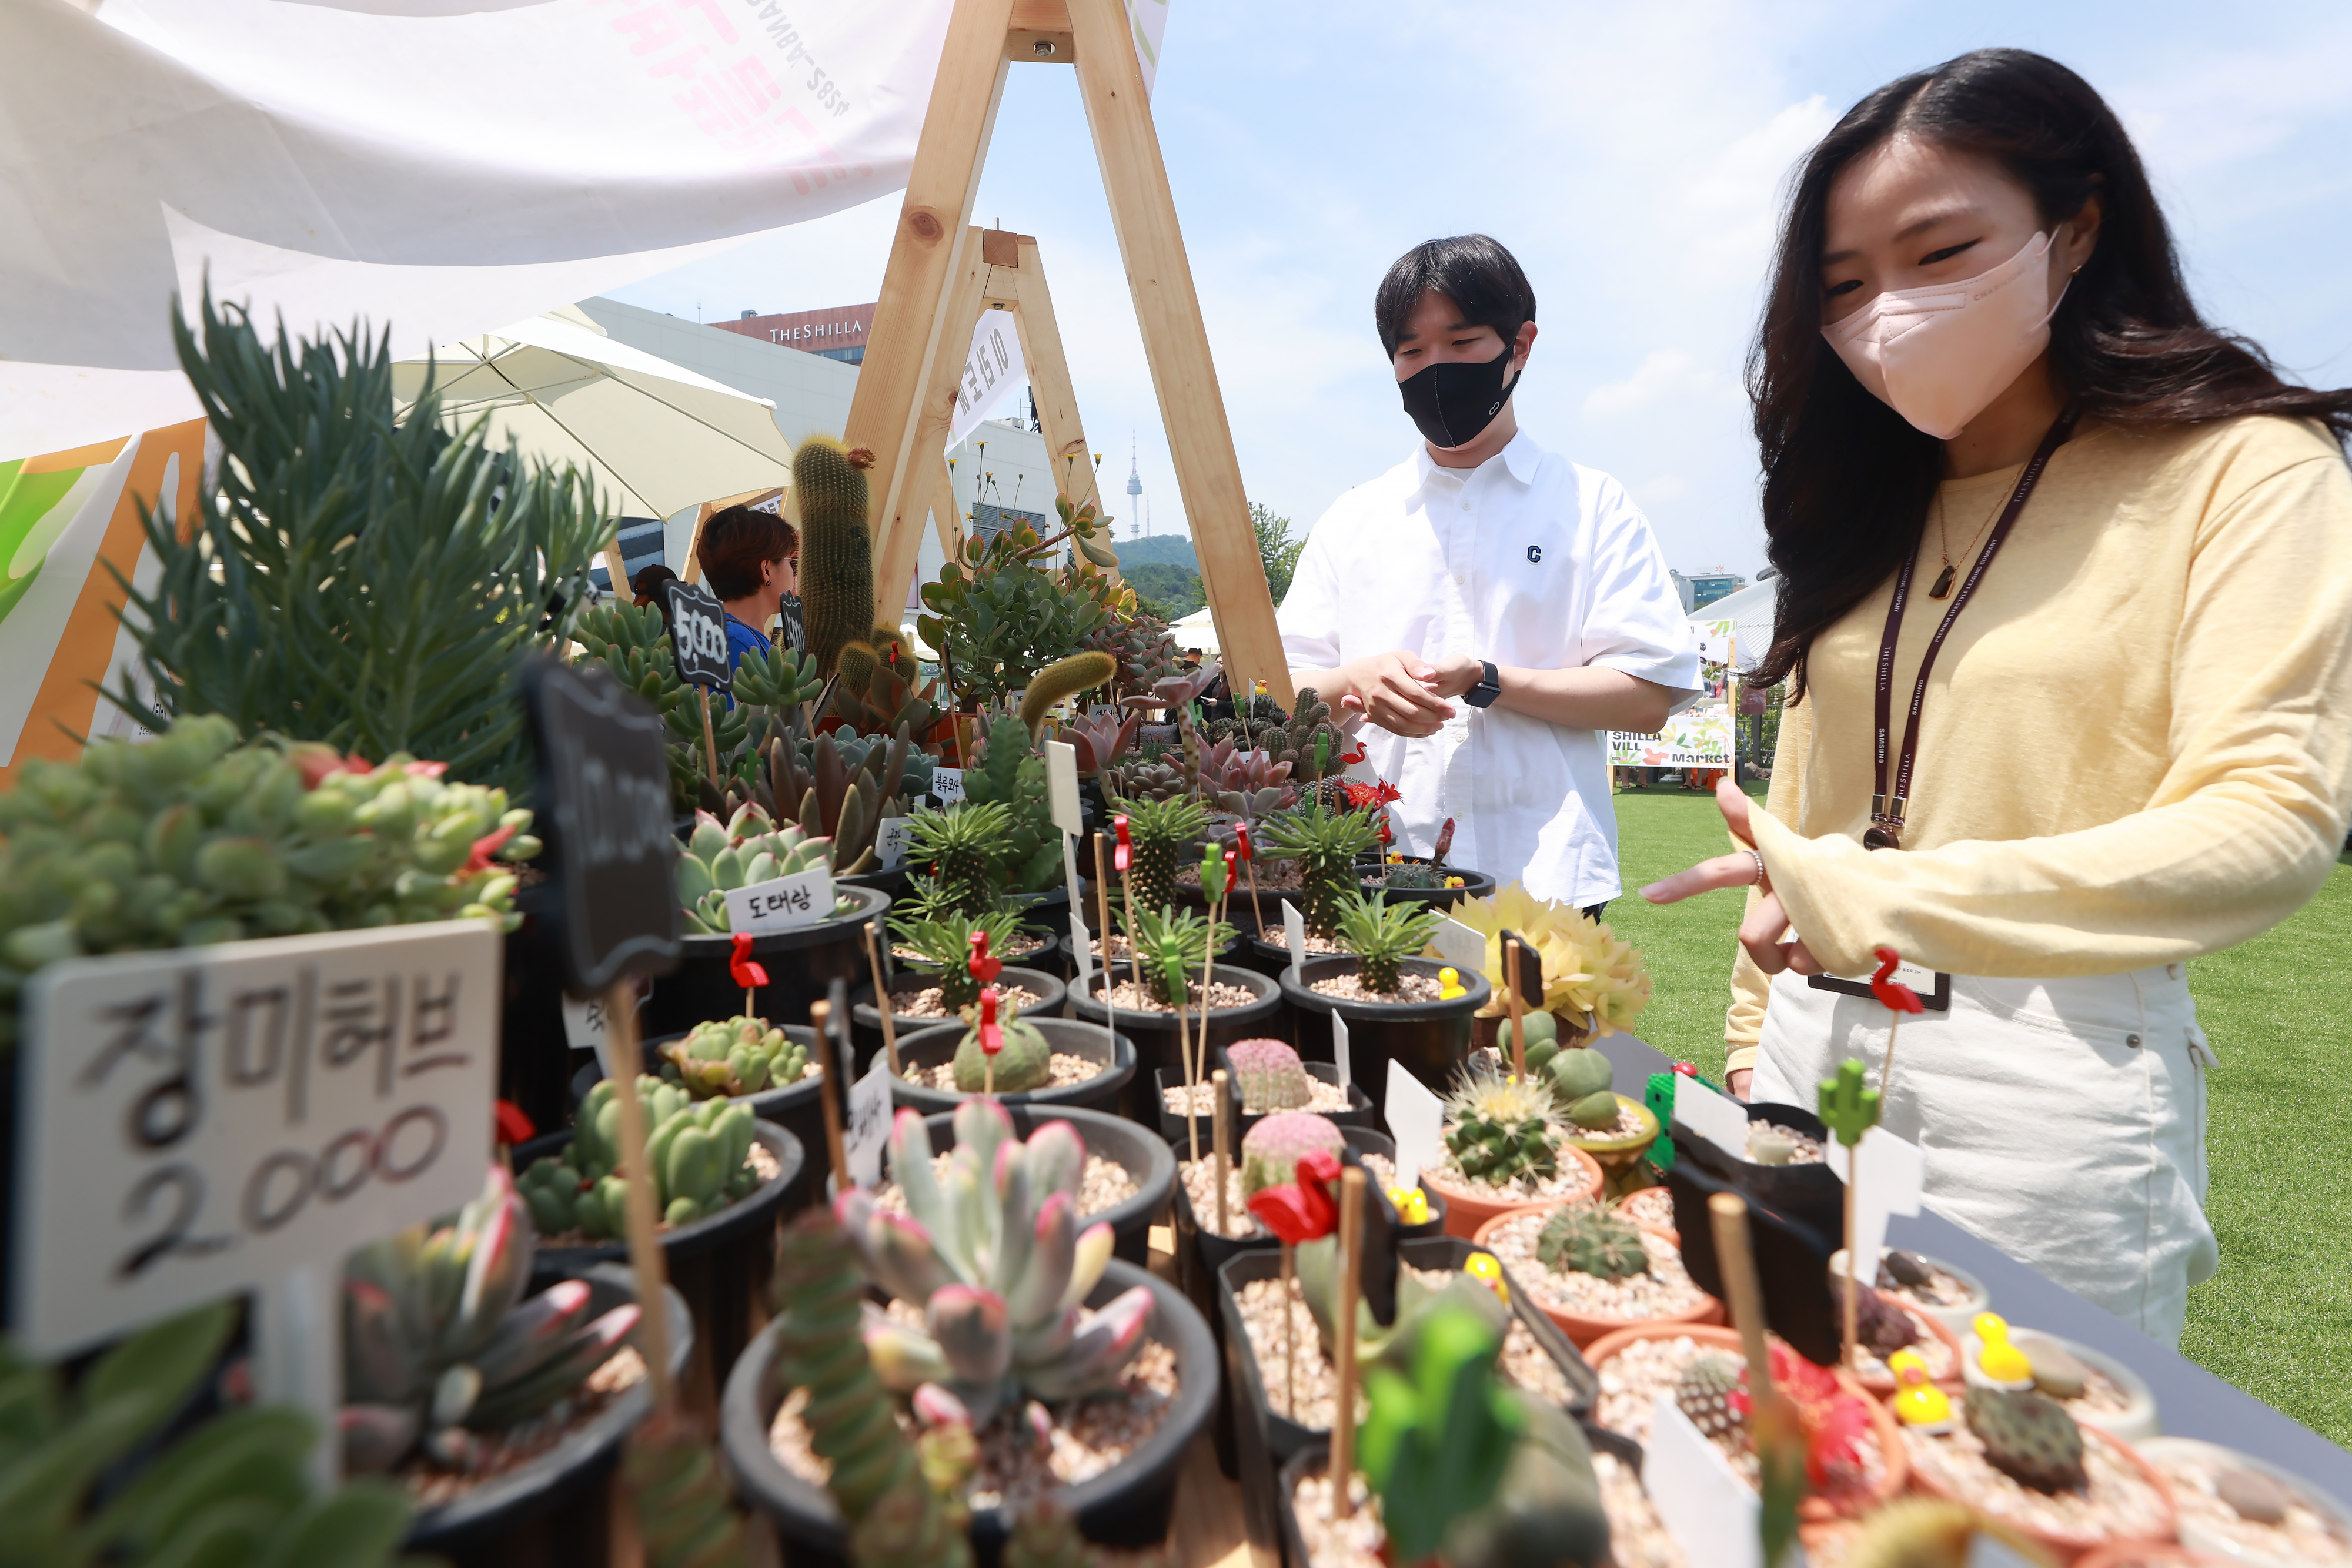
(916, 1006)
(1430, 1039)
(2247, 1510)
(1106, 1061)
(1242, 1004)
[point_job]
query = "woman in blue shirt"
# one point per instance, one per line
(750, 560)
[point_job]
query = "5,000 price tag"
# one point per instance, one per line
(802, 899)
(202, 1121)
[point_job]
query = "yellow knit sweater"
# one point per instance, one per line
(2136, 746)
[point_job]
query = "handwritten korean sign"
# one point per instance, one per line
(200, 1121)
(802, 899)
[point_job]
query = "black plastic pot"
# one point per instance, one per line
(556, 1505)
(798, 1108)
(1172, 1124)
(935, 1046)
(1264, 1442)
(1127, 1505)
(866, 1023)
(1200, 1253)
(1811, 1194)
(719, 1263)
(1116, 1139)
(801, 963)
(1475, 884)
(1308, 1462)
(891, 884)
(1155, 1033)
(1430, 1039)
(534, 1051)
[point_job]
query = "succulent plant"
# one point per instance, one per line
(742, 853)
(1310, 719)
(1160, 832)
(1169, 947)
(726, 1057)
(633, 644)
(876, 691)
(1140, 780)
(1543, 1036)
(1247, 783)
(1026, 1062)
(1713, 1392)
(997, 618)
(1581, 1239)
(1011, 773)
(1101, 739)
(992, 1252)
(696, 1150)
(1382, 935)
(1579, 1079)
(1142, 642)
(1587, 970)
(2028, 1436)
(1404, 875)
(1257, 721)
(1269, 1075)
(943, 941)
(1883, 1327)
(685, 1509)
(1326, 844)
(1499, 1131)
(964, 845)
(439, 1341)
(111, 1470)
(1271, 1150)
(190, 838)
(843, 794)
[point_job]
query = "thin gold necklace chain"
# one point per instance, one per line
(1943, 532)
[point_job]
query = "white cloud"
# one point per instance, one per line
(1662, 373)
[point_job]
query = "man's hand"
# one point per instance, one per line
(1452, 675)
(1394, 691)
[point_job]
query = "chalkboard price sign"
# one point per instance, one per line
(699, 635)
(604, 797)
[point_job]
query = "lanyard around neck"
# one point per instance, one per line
(1888, 807)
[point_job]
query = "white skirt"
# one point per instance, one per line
(2063, 1121)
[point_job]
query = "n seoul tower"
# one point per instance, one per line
(1134, 490)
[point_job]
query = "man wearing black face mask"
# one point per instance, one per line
(1489, 607)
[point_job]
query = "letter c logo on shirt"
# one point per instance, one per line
(1534, 552)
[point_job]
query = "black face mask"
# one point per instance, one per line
(1451, 402)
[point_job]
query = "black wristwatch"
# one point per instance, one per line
(1489, 687)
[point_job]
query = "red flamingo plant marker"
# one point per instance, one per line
(1897, 999)
(1121, 858)
(992, 1039)
(1297, 1212)
(1249, 861)
(749, 972)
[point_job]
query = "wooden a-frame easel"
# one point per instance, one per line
(900, 408)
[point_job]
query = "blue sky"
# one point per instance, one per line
(1631, 157)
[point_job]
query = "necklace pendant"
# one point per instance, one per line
(1943, 584)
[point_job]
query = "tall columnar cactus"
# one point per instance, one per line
(439, 1343)
(1162, 831)
(1062, 678)
(742, 852)
(1270, 1076)
(993, 1254)
(1271, 1150)
(695, 1148)
(1382, 935)
(721, 1057)
(964, 846)
(836, 546)
(1324, 844)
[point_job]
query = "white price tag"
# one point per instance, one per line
(947, 784)
(1459, 946)
(1893, 1180)
(1706, 1508)
(1294, 926)
(1416, 1120)
(1339, 1048)
(1082, 947)
(891, 837)
(202, 1121)
(1719, 1120)
(1062, 787)
(869, 1122)
(584, 1023)
(802, 899)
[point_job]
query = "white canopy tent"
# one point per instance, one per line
(1746, 615)
(1196, 631)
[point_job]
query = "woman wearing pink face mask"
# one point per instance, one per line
(2066, 587)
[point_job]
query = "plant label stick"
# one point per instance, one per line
(1294, 926)
(1518, 1024)
(645, 1238)
(884, 1002)
(1351, 1264)
(1339, 1048)
(828, 1066)
(1773, 1428)
(1222, 1136)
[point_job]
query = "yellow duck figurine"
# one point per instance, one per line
(1919, 1404)
(2000, 1361)
(1411, 1204)
(1485, 1268)
(1449, 984)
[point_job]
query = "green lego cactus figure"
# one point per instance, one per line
(1026, 1062)
(836, 547)
(695, 1149)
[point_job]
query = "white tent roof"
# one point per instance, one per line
(1747, 614)
(1198, 630)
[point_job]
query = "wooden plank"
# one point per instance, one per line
(935, 413)
(1168, 309)
(1049, 380)
(947, 516)
(1035, 22)
(908, 335)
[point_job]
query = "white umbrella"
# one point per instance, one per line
(1198, 630)
(656, 437)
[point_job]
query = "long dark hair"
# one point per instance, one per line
(1846, 479)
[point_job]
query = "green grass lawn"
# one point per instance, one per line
(2278, 1320)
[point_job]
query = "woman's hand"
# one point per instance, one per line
(1765, 933)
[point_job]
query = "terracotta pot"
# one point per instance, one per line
(2072, 1548)
(1467, 1207)
(1581, 1330)
(1816, 1510)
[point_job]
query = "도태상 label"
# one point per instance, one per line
(786, 902)
(201, 1122)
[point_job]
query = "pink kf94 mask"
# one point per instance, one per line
(1940, 355)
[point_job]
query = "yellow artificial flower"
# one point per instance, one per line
(1588, 972)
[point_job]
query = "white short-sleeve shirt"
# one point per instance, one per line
(1529, 560)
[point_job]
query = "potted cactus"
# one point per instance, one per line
(1036, 1050)
(722, 1177)
(1504, 1148)
(799, 962)
(992, 1350)
(1168, 961)
(1320, 847)
(1129, 1171)
(490, 1401)
(939, 984)
(1593, 1270)
(1427, 879)
(1398, 1008)
(1264, 1076)
(1615, 1129)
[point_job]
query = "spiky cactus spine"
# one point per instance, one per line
(1270, 1076)
(836, 547)
(1584, 1241)
(1160, 832)
(1062, 678)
